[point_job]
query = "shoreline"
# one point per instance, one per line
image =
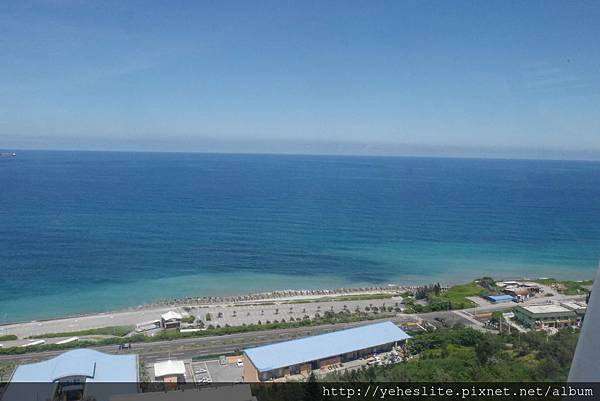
(262, 297)
(275, 296)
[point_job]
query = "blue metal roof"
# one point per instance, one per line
(500, 298)
(313, 348)
(95, 366)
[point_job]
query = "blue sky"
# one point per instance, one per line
(325, 77)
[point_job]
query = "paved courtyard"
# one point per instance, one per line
(252, 314)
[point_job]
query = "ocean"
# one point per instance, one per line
(94, 231)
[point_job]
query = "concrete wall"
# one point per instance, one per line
(250, 373)
(559, 319)
(328, 362)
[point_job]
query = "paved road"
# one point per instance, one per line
(201, 346)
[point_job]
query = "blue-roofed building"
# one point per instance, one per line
(500, 298)
(300, 356)
(75, 375)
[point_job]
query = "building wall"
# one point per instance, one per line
(522, 317)
(558, 320)
(170, 324)
(330, 361)
(305, 369)
(250, 373)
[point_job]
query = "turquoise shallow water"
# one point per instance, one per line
(91, 231)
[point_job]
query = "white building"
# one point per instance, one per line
(170, 371)
(171, 320)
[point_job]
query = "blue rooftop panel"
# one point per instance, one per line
(500, 298)
(96, 366)
(313, 348)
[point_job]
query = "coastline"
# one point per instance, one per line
(222, 291)
(278, 296)
(265, 298)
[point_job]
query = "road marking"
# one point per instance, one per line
(208, 371)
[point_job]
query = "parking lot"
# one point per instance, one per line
(214, 371)
(254, 313)
(201, 373)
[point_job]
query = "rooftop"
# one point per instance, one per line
(169, 368)
(574, 305)
(497, 298)
(518, 290)
(95, 366)
(170, 315)
(550, 308)
(313, 348)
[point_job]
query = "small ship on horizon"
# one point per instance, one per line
(8, 154)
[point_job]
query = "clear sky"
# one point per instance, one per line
(449, 77)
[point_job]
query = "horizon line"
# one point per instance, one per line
(330, 154)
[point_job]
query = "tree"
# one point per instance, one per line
(488, 283)
(311, 392)
(485, 348)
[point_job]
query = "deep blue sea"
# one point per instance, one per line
(94, 231)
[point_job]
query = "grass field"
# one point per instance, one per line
(117, 331)
(357, 297)
(456, 297)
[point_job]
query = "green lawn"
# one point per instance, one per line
(356, 297)
(117, 331)
(454, 298)
(457, 295)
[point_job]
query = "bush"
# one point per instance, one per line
(117, 331)
(189, 319)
